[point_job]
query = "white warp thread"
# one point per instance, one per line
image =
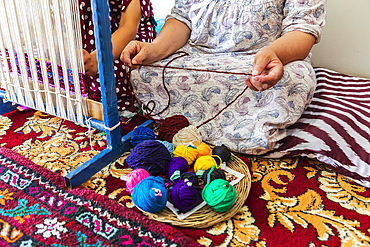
(47, 31)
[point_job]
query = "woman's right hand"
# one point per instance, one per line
(90, 63)
(138, 53)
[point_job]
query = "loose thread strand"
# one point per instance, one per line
(166, 66)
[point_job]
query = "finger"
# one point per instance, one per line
(269, 79)
(274, 73)
(130, 51)
(250, 85)
(255, 81)
(89, 72)
(86, 56)
(259, 65)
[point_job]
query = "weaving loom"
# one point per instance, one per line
(42, 68)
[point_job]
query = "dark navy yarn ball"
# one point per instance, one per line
(150, 155)
(184, 195)
(215, 174)
(223, 152)
(141, 134)
(191, 177)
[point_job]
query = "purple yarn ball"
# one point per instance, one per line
(177, 163)
(149, 155)
(184, 196)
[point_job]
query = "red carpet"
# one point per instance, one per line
(37, 210)
(293, 202)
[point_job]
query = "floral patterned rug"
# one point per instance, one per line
(36, 209)
(292, 202)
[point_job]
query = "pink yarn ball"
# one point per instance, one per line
(134, 177)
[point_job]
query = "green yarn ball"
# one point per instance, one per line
(219, 194)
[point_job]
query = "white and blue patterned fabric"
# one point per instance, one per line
(225, 36)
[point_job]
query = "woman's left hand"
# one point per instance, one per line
(267, 70)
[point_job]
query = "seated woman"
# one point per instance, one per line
(130, 20)
(270, 39)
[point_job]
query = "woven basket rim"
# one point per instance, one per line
(206, 216)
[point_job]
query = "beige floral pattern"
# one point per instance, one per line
(61, 152)
(5, 124)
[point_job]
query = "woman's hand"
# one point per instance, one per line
(269, 61)
(137, 52)
(172, 37)
(90, 62)
(267, 70)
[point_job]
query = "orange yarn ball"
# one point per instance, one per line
(204, 150)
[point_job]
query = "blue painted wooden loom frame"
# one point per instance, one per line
(116, 145)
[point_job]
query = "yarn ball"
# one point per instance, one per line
(150, 155)
(190, 176)
(223, 152)
(219, 194)
(188, 152)
(150, 194)
(170, 147)
(204, 163)
(170, 126)
(134, 177)
(186, 136)
(184, 195)
(204, 150)
(141, 134)
(215, 174)
(177, 164)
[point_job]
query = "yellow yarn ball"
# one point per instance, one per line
(204, 150)
(205, 163)
(186, 136)
(188, 152)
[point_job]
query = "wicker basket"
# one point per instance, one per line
(206, 216)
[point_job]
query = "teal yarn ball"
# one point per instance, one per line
(150, 194)
(170, 147)
(141, 134)
(219, 194)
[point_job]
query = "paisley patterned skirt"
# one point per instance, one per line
(203, 86)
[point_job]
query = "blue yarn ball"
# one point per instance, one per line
(170, 147)
(150, 194)
(149, 155)
(141, 134)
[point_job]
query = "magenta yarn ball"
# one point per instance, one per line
(134, 177)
